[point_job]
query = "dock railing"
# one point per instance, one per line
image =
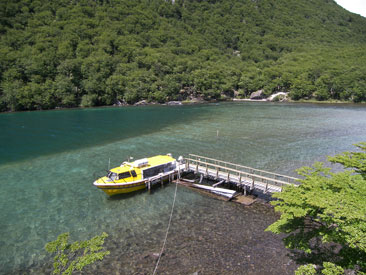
(240, 174)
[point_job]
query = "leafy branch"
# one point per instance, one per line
(76, 255)
(325, 217)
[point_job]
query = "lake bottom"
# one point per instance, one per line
(208, 237)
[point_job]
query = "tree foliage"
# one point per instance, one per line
(89, 53)
(353, 160)
(77, 255)
(327, 209)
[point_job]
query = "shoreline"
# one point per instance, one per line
(185, 102)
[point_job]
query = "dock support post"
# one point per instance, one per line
(265, 190)
(252, 187)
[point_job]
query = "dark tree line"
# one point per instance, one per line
(89, 53)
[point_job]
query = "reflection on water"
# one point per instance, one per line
(53, 193)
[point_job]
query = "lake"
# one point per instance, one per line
(49, 159)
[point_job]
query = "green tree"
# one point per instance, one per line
(353, 160)
(211, 48)
(325, 216)
(77, 255)
(302, 87)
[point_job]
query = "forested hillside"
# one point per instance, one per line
(69, 53)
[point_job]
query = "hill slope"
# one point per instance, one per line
(88, 53)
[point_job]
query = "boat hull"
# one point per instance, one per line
(122, 189)
(116, 189)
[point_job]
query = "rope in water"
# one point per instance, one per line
(167, 230)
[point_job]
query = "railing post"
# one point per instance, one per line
(217, 172)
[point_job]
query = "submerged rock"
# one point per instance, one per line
(155, 255)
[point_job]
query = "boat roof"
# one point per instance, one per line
(151, 162)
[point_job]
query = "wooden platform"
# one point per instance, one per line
(204, 192)
(243, 176)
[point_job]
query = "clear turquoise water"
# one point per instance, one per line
(49, 160)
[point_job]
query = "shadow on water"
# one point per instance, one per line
(31, 134)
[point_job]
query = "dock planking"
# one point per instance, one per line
(242, 176)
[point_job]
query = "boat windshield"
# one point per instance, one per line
(112, 176)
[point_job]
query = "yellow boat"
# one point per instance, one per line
(137, 175)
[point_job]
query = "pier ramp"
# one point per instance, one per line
(244, 177)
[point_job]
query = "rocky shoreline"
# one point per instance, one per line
(279, 97)
(255, 97)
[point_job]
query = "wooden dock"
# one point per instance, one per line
(244, 177)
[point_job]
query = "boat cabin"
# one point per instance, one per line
(142, 169)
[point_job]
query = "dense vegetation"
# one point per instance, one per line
(77, 255)
(81, 52)
(326, 216)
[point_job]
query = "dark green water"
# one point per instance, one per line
(48, 160)
(31, 134)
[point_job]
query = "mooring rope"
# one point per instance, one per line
(167, 230)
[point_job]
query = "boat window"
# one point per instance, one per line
(153, 171)
(112, 176)
(169, 167)
(133, 173)
(124, 175)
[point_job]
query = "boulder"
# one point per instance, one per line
(141, 103)
(120, 103)
(257, 95)
(174, 103)
(280, 96)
